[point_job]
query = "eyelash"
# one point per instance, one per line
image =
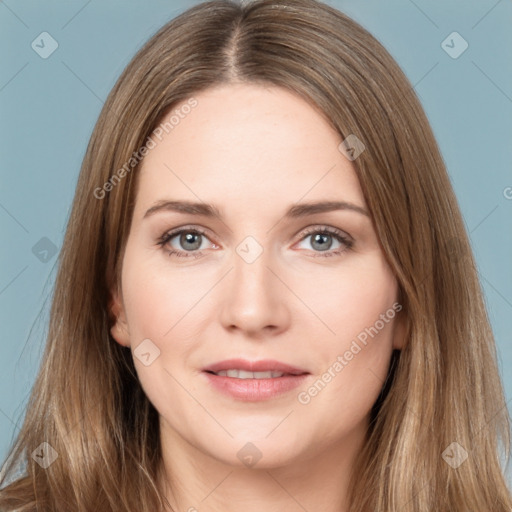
(338, 235)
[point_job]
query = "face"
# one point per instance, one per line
(302, 297)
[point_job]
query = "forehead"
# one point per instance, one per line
(247, 144)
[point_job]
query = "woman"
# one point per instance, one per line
(264, 367)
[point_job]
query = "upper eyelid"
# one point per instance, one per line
(308, 230)
(171, 233)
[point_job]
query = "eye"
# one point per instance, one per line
(322, 241)
(190, 239)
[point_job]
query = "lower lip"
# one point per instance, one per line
(255, 390)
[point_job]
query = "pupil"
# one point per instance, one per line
(189, 238)
(322, 236)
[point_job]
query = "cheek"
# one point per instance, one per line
(359, 308)
(350, 299)
(158, 298)
(165, 306)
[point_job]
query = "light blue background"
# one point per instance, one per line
(48, 108)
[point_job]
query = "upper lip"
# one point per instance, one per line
(263, 365)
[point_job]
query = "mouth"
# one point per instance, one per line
(243, 374)
(254, 380)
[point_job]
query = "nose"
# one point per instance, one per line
(255, 301)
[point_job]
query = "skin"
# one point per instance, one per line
(253, 152)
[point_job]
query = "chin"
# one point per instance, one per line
(257, 452)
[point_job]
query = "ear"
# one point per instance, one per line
(400, 330)
(119, 328)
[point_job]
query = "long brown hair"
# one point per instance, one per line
(444, 387)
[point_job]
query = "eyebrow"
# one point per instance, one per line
(295, 211)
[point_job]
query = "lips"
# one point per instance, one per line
(241, 368)
(254, 381)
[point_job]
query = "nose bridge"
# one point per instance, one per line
(251, 276)
(251, 271)
(254, 297)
